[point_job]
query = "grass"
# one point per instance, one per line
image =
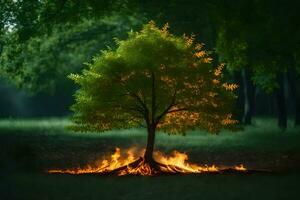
(264, 135)
(28, 147)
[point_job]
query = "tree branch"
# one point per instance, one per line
(144, 109)
(177, 110)
(172, 103)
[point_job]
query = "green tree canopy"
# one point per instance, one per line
(154, 79)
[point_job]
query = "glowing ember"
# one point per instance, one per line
(134, 164)
(240, 168)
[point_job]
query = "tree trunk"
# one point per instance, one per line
(297, 114)
(281, 103)
(239, 114)
(151, 126)
(295, 93)
(249, 96)
(148, 156)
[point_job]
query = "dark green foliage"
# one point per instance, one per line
(43, 62)
(262, 35)
(39, 48)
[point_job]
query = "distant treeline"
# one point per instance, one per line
(42, 41)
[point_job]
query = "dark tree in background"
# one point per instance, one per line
(261, 39)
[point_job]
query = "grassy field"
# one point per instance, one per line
(29, 147)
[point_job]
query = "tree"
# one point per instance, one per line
(41, 42)
(234, 52)
(234, 21)
(156, 80)
(278, 36)
(260, 38)
(43, 62)
(39, 46)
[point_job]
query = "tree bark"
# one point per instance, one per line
(148, 156)
(249, 96)
(151, 125)
(281, 103)
(295, 93)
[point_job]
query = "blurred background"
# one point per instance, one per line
(42, 41)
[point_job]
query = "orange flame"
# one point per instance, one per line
(177, 162)
(240, 168)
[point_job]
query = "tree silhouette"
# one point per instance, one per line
(156, 80)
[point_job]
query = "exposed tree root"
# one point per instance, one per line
(141, 167)
(151, 167)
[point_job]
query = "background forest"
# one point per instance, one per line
(41, 42)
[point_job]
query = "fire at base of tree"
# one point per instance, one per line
(134, 164)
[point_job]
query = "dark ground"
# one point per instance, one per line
(29, 147)
(255, 186)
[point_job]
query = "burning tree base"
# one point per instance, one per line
(137, 165)
(141, 167)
